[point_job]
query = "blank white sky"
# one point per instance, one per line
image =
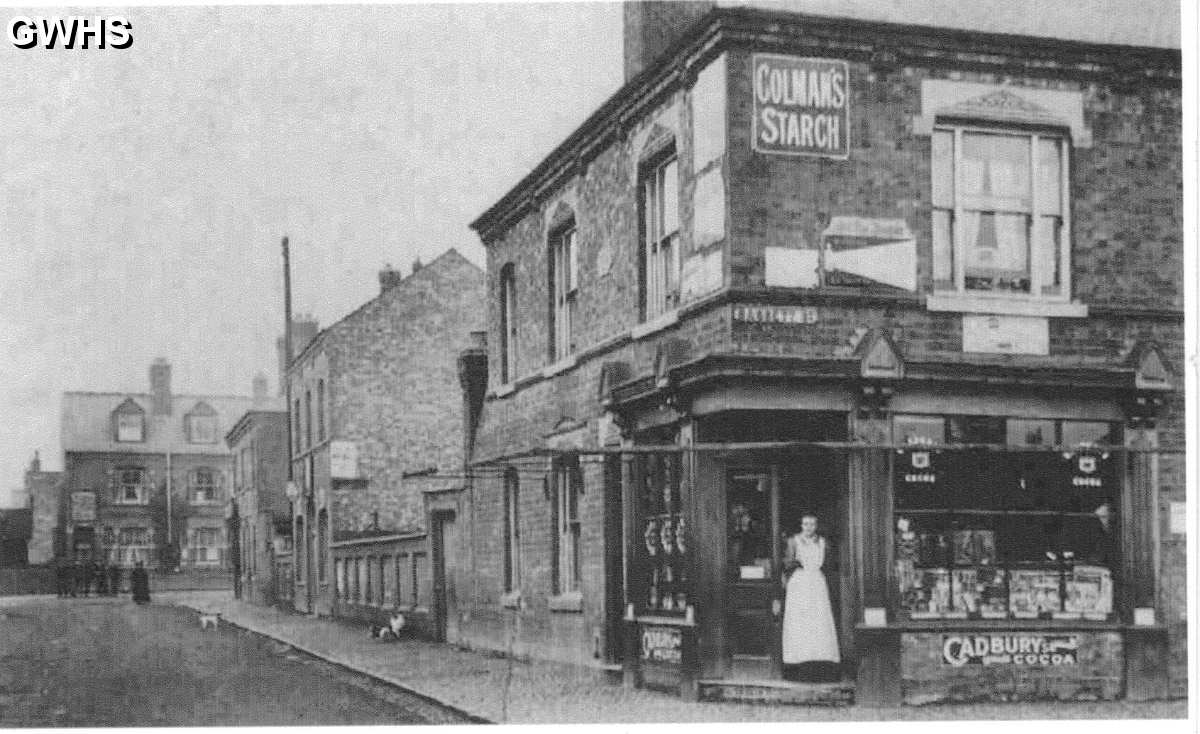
(143, 192)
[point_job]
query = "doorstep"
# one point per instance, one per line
(777, 692)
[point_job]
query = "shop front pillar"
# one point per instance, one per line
(1146, 650)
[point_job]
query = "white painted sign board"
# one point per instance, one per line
(343, 460)
(993, 334)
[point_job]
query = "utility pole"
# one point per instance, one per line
(287, 349)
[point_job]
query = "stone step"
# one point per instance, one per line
(778, 692)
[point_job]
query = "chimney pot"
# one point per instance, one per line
(389, 278)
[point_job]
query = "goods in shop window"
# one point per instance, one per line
(974, 547)
(667, 536)
(1089, 592)
(679, 536)
(907, 545)
(966, 589)
(934, 550)
(1033, 593)
(651, 537)
(930, 597)
(993, 595)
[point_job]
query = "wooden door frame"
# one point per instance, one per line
(437, 541)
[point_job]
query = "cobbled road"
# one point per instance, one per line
(108, 662)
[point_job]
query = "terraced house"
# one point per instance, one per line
(920, 283)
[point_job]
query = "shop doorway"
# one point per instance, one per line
(444, 542)
(767, 493)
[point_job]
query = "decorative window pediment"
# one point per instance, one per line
(1005, 106)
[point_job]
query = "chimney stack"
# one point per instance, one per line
(651, 26)
(389, 278)
(259, 388)
(160, 387)
(416, 265)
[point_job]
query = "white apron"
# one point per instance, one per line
(808, 629)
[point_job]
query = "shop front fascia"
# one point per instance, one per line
(993, 525)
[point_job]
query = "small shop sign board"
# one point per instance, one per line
(83, 507)
(801, 106)
(662, 644)
(1010, 649)
(795, 315)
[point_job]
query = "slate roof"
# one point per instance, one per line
(87, 423)
(1153, 23)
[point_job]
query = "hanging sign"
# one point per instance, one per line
(1010, 649)
(801, 106)
(343, 460)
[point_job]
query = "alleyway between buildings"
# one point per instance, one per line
(506, 691)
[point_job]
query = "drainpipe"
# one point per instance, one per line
(170, 526)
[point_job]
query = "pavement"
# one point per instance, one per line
(495, 689)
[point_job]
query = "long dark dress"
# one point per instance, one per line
(139, 584)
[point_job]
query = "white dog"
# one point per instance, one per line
(391, 631)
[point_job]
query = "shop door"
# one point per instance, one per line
(751, 628)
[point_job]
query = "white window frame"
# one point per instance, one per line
(140, 493)
(958, 221)
(202, 428)
(124, 430)
(564, 289)
(567, 531)
(512, 531)
(508, 323)
(212, 558)
(660, 237)
(195, 486)
(131, 549)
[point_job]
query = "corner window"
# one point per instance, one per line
(659, 260)
(206, 546)
(566, 480)
(512, 531)
(1000, 214)
(564, 289)
(129, 422)
(508, 323)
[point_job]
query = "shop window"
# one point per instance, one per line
(566, 486)
(132, 486)
(300, 545)
(339, 576)
(661, 549)
(202, 487)
(1000, 218)
(659, 260)
(508, 323)
(356, 581)
(564, 291)
(134, 543)
(387, 571)
(512, 530)
(1000, 519)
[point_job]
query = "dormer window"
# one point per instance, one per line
(201, 424)
(129, 422)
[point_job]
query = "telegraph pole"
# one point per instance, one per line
(287, 350)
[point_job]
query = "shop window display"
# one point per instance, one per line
(982, 533)
(664, 534)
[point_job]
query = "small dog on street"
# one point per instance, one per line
(209, 620)
(390, 631)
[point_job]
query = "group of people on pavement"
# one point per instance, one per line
(82, 577)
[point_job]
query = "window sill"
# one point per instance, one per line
(561, 365)
(511, 600)
(572, 601)
(658, 323)
(1015, 306)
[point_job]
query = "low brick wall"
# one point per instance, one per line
(978, 666)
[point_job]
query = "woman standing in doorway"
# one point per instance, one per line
(809, 634)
